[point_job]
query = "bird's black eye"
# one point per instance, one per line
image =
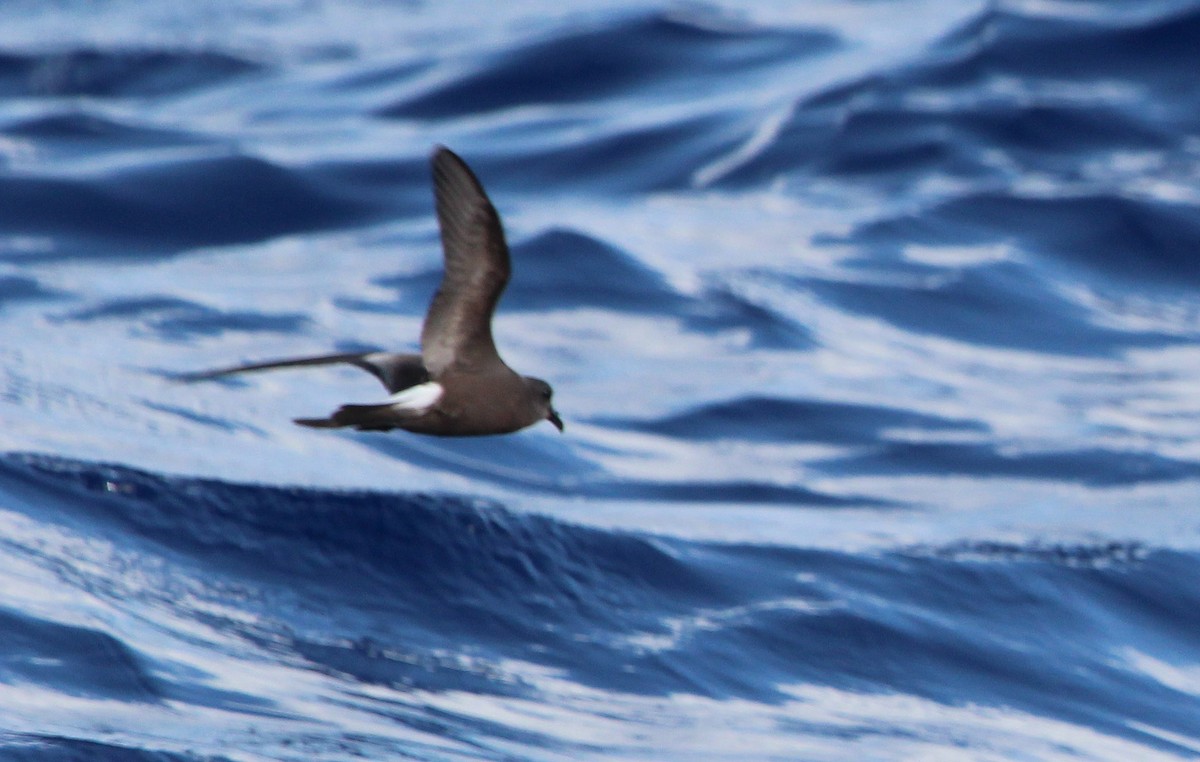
(546, 393)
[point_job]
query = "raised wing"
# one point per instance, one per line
(458, 327)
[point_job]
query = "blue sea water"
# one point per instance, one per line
(874, 325)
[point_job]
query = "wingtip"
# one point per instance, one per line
(316, 423)
(192, 377)
(442, 154)
(450, 166)
(455, 183)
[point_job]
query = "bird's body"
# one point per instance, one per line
(458, 385)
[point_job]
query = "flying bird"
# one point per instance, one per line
(458, 385)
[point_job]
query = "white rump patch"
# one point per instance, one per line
(417, 399)
(377, 358)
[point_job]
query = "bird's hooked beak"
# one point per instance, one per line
(552, 416)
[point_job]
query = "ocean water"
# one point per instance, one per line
(874, 326)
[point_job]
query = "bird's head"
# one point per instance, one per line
(543, 397)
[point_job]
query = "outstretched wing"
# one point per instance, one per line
(395, 371)
(458, 327)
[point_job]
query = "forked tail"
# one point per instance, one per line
(381, 417)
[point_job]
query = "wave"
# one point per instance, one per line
(83, 132)
(17, 288)
(772, 419)
(33, 747)
(163, 208)
(72, 660)
(1126, 238)
(441, 593)
(117, 73)
(180, 319)
(564, 269)
(1150, 47)
(1094, 466)
(908, 305)
(1003, 305)
(643, 53)
(1042, 93)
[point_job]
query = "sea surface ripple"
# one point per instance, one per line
(874, 326)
